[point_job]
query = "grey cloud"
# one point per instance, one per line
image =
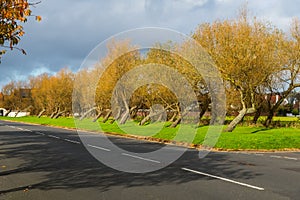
(72, 28)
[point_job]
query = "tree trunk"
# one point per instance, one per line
(269, 118)
(256, 116)
(98, 116)
(176, 122)
(16, 114)
(125, 117)
(236, 120)
(118, 114)
(6, 114)
(133, 112)
(144, 120)
(41, 113)
(159, 119)
(152, 115)
(173, 117)
(107, 116)
(54, 113)
(59, 114)
(87, 112)
(203, 110)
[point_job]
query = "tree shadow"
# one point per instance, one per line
(70, 166)
(260, 130)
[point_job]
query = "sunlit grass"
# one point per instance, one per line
(243, 137)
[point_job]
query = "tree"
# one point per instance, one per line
(286, 78)
(12, 14)
(246, 54)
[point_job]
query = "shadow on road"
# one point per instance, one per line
(70, 166)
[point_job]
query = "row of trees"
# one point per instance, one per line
(255, 59)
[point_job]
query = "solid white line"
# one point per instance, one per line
(223, 179)
(53, 136)
(96, 147)
(72, 141)
(40, 133)
(290, 158)
(276, 156)
(146, 159)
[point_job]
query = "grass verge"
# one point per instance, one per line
(243, 137)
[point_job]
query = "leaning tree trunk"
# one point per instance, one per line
(54, 113)
(125, 116)
(173, 117)
(236, 120)
(107, 116)
(98, 116)
(7, 113)
(59, 114)
(41, 113)
(176, 122)
(87, 112)
(16, 114)
(133, 112)
(179, 118)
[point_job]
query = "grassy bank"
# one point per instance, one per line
(243, 137)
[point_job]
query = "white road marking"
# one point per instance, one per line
(24, 129)
(275, 156)
(258, 154)
(53, 136)
(40, 133)
(223, 179)
(96, 147)
(290, 158)
(72, 141)
(138, 157)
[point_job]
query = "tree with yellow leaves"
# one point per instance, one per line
(246, 53)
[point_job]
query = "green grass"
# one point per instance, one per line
(243, 137)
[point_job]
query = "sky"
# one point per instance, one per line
(70, 29)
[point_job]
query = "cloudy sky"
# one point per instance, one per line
(70, 29)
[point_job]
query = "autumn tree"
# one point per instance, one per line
(286, 78)
(17, 96)
(52, 95)
(121, 58)
(12, 14)
(245, 52)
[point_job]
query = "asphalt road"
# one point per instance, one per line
(38, 162)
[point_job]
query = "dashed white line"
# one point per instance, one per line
(24, 129)
(290, 158)
(72, 141)
(138, 157)
(53, 136)
(223, 179)
(96, 147)
(40, 133)
(275, 156)
(258, 154)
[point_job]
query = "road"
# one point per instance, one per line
(39, 162)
